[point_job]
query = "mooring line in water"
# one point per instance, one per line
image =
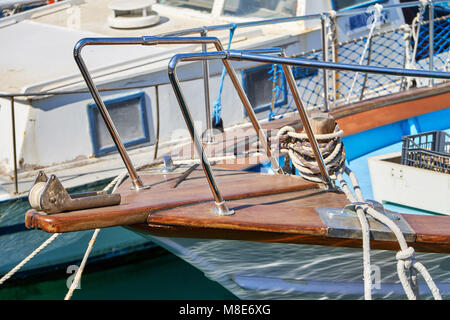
(115, 183)
(28, 258)
(77, 278)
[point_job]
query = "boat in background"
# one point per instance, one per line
(47, 86)
(11, 7)
(404, 177)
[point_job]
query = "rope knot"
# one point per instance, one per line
(407, 256)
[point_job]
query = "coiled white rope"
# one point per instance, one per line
(297, 146)
(375, 10)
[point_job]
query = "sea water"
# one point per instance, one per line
(163, 276)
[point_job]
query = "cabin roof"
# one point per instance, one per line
(52, 36)
(34, 53)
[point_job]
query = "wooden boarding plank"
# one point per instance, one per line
(273, 218)
(384, 110)
(280, 219)
(135, 206)
(378, 111)
(430, 229)
(287, 212)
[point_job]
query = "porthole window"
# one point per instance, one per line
(129, 116)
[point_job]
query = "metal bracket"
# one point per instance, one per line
(49, 196)
(350, 209)
(344, 223)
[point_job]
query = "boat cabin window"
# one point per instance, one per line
(259, 87)
(202, 5)
(341, 5)
(129, 116)
(260, 8)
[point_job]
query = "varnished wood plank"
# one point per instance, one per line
(435, 230)
(288, 212)
(280, 215)
(384, 110)
(135, 206)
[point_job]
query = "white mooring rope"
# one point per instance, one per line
(114, 183)
(76, 281)
(405, 257)
(28, 258)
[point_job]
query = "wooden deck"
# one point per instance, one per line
(275, 208)
(271, 208)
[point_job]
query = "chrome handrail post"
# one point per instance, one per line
(431, 38)
(220, 206)
(307, 126)
(209, 133)
(13, 128)
(323, 23)
(252, 116)
(137, 183)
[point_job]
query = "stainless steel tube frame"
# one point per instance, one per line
(148, 40)
(209, 134)
(137, 183)
(220, 206)
(323, 23)
(242, 55)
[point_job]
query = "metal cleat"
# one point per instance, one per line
(168, 164)
(49, 196)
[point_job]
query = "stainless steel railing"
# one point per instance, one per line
(203, 31)
(137, 183)
(324, 18)
(220, 205)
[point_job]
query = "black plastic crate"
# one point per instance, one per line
(428, 150)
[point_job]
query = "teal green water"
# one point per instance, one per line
(166, 277)
(163, 276)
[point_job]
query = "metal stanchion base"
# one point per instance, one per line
(136, 188)
(222, 209)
